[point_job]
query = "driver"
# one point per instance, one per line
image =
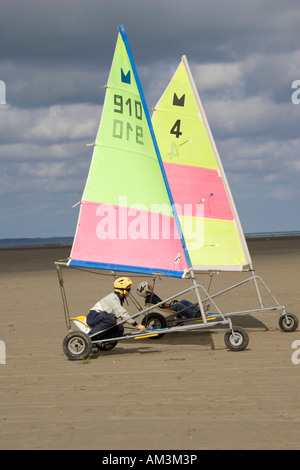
(183, 307)
(109, 310)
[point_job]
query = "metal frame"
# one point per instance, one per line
(253, 278)
(194, 326)
(187, 324)
(63, 294)
(210, 297)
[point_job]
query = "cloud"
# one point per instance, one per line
(217, 77)
(56, 124)
(254, 116)
(73, 30)
(31, 85)
(56, 55)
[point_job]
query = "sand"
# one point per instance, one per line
(184, 391)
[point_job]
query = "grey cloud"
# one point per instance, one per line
(56, 124)
(55, 56)
(77, 30)
(254, 117)
(32, 85)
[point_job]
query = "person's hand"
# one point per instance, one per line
(141, 328)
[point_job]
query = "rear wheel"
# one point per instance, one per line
(288, 322)
(77, 345)
(236, 339)
(154, 321)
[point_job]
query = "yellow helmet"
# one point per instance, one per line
(122, 284)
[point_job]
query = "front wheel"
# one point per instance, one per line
(288, 322)
(153, 321)
(236, 339)
(77, 345)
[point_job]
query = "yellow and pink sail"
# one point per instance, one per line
(156, 199)
(209, 220)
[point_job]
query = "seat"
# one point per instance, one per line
(81, 324)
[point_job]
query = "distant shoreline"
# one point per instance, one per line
(272, 235)
(22, 243)
(55, 242)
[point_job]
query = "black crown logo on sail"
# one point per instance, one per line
(125, 78)
(178, 101)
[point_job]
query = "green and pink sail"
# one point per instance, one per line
(126, 221)
(156, 199)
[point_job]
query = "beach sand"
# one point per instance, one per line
(184, 391)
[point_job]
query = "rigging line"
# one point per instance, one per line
(210, 281)
(135, 302)
(152, 292)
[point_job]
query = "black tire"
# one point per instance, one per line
(288, 322)
(106, 346)
(155, 320)
(237, 341)
(77, 346)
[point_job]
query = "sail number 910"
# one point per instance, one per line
(125, 129)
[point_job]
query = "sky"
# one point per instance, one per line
(56, 55)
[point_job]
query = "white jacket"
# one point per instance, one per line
(111, 304)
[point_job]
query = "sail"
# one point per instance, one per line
(210, 223)
(126, 221)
